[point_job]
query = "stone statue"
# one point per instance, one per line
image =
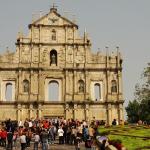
(26, 86)
(81, 87)
(114, 87)
(53, 59)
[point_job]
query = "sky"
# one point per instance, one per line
(109, 23)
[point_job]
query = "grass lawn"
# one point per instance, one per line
(132, 137)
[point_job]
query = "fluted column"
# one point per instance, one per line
(121, 118)
(75, 111)
(30, 111)
(87, 112)
(40, 111)
(19, 112)
(109, 113)
(67, 111)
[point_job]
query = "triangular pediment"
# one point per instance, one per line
(53, 18)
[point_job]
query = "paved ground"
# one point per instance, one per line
(55, 146)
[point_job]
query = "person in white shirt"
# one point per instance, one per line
(30, 124)
(60, 134)
(36, 141)
(23, 141)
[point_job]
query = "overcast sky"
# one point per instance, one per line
(123, 23)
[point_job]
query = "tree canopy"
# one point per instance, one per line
(139, 108)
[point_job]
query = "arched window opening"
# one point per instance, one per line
(53, 91)
(81, 86)
(53, 57)
(53, 35)
(113, 86)
(8, 95)
(26, 86)
(97, 91)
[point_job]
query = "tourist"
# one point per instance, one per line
(77, 143)
(9, 140)
(65, 128)
(85, 133)
(36, 140)
(88, 144)
(60, 134)
(3, 137)
(15, 135)
(28, 137)
(114, 122)
(23, 141)
(52, 133)
(44, 139)
(68, 135)
(91, 132)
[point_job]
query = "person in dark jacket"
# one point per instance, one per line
(9, 140)
(44, 139)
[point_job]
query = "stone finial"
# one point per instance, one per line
(117, 47)
(53, 8)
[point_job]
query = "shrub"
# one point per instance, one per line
(104, 133)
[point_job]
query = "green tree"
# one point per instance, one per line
(133, 111)
(139, 109)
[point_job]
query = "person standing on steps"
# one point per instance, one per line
(44, 139)
(23, 141)
(60, 134)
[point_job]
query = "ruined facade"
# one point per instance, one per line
(53, 73)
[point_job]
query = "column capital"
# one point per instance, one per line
(19, 106)
(67, 107)
(75, 106)
(120, 106)
(31, 106)
(109, 106)
(86, 106)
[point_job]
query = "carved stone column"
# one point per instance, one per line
(19, 112)
(87, 85)
(120, 85)
(31, 111)
(67, 111)
(39, 111)
(109, 113)
(67, 82)
(75, 111)
(87, 112)
(75, 82)
(19, 81)
(120, 113)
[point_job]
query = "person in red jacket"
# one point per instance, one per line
(3, 137)
(46, 124)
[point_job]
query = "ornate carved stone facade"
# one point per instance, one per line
(53, 73)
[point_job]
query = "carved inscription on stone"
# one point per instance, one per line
(79, 57)
(44, 56)
(70, 34)
(25, 54)
(70, 55)
(35, 55)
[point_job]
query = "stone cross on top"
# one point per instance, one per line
(53, 7)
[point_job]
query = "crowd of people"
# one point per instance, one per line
(43, 132)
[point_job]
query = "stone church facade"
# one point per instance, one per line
(53, 73)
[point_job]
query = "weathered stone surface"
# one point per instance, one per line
(53, 53)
